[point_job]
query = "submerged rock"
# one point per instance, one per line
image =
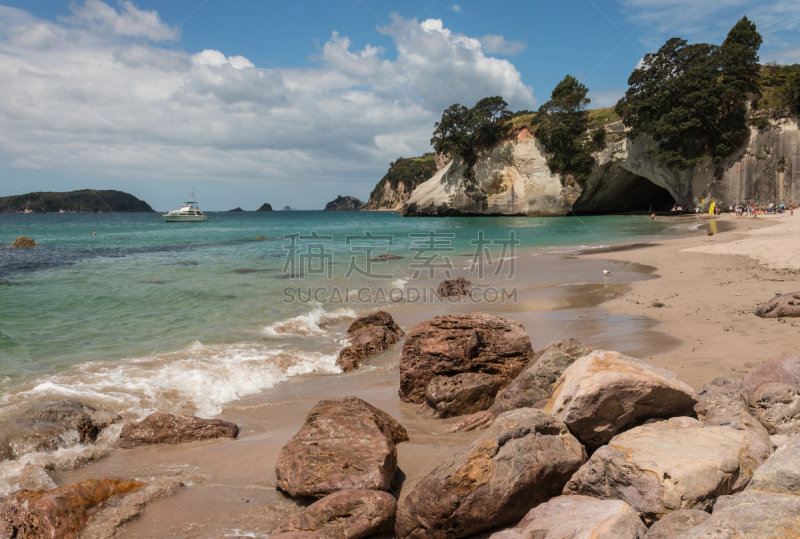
(465, 393)
(367, 336)
(780, 306)
(522, 460)
(162, 428)
(60, 513)
(24, 241)
(49, 425)
(578, 517)
(671, 465)
(535, 383)
(453, 344)
(605, 393)
(345, 444)
(453, 287)
(347, 514)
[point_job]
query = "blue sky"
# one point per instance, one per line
(296, 103)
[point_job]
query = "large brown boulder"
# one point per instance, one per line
(784, 369)
(60, 513)
(723, 403)
(452, 344)
(162, 428)
(347, 514)
(453, 287)
(345, 443)
(671, 465)
(522, 460)
(751, 514)
(535, 383)
(462, 394)
(47, 425)
(24, 241)
(781, 472)
(673, 525)
(578, 517)
(605, 393)
(777, 407)
(780, 306)
(367, 336)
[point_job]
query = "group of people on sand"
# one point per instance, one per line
(751, 210)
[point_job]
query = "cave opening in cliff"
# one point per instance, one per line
(622, 192)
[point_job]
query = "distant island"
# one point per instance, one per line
(82, 201)
(344, 204)
(236, 209)
(287, 208)
(265, 207)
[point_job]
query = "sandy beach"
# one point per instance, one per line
(705, 329)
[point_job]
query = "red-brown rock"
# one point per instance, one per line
(345, 443)
(367, 336)
(453, 287)
(522, 460)
(452, 344)
(347, 514)
(476, 421)
(784, 369)
(462, 394)
(60, 513)
(161, 428)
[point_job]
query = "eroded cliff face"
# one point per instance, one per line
(513, 178)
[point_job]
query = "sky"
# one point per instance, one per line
(294, 103)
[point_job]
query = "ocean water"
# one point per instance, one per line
(197, 314)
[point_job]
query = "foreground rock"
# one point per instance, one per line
(521, 461)
(605, 393)
(367, 336)
(162, 428)
(784, 369)
(751, 514)
(453, 344)
(450, 288)
(50, 425)
(781, 472)
(462, 394)
(777, 406)
(344, 444)
(671, 465)
(24, 241)
(535, 383)
(347, 514)
(675, 524)
(476, 421)
(780, 306)
(578, 517)
(723, 403)
(60, 513)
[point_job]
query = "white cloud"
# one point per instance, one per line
(495, 44)
(126, 109)
(455, 7)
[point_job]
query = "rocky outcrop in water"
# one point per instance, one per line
(512, 178)
(367, 336)
(24, 241)
(341, 203)
(161, 428)
(60, 513)
(265, 207)
(347, 514)
(453, 344)
(344, 444)
(450, 288)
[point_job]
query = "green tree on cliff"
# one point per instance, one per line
(467, 132)
(561, 125)
(690, 99)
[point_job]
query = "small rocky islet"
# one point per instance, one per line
(568, 442)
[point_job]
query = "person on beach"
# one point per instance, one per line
(791, 209)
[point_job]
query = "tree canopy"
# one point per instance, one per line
(690, 99)
(467, 132)
(561, 125)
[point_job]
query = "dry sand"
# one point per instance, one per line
(706, 329)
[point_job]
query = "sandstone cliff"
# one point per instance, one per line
(403, 177)
(513, 178)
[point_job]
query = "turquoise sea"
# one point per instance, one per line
(145, 308)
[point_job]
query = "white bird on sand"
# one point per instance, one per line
(607, 272)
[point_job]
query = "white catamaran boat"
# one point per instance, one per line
(189, 212)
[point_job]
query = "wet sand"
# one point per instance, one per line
(705, 330)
